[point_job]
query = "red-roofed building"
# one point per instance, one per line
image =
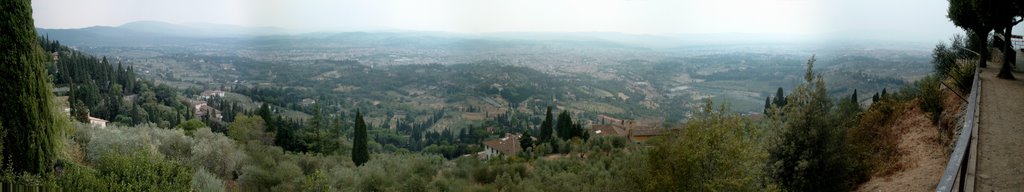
(501, 147)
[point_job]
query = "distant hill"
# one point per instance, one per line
(149, 33)
(200, 29)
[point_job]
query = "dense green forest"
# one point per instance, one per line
(98, 88)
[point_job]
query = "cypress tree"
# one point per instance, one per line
(564, 126)
(853, 98)
(360, 154)
(28, 119)
(884, 94)
(545, 127)
(780, 98)
(767, 104)
(268, 118)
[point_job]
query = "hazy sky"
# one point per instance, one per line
(920, 20)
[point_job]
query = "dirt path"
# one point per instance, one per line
(1001, 135)
(923, 157)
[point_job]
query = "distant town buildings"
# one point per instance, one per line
(208, 94)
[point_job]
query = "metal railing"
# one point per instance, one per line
(955, 176)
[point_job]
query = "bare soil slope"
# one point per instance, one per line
(924, 156)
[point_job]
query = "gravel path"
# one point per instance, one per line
(1001, 135)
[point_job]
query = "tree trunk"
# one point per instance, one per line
(1008, 54)
(981, 41)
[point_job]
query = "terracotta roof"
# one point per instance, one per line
(508, 145)
(608, 130)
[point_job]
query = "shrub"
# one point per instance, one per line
(931, 97)
(715, 150)
(873, 141)
(102, 141)
(190, 126)
(962, 76)
(217, 153)
(810, 153)
(205, 181)
(140, 170)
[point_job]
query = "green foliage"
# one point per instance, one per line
(963, 77)
(971, 16)
(360, 153)
(944, 58)
(205, 181)
(79, 111)
(526, 142)
(810, 154)
(931, 97)
(780, 98)
(715, 150)
(143, 171)
(216, 153)
(316, 182)
(546, 127)
(267, 169)
(190, 126)
(250, 129)
(873, 141)
(32, 139)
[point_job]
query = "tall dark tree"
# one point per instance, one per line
(360, 153)
(28, 119)
(264, 112)
(968, 14)
(853, 98)
(767, 104)
(546, 130)
(526, 142)
(79, 112)
(1006, 14)
(780, 98)
(884, 94)
(564, 126)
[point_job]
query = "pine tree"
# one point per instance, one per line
(767, 104)
(546, 127)
(31, 142)
(360, 153)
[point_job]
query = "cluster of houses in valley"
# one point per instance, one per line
(200, 107)
(630, 129)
